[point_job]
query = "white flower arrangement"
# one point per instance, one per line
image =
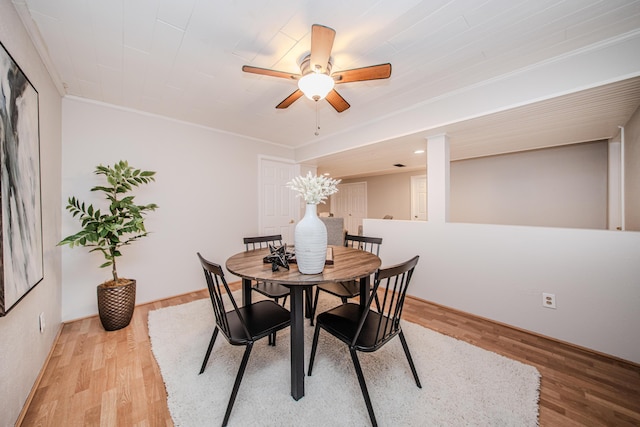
(314, 189)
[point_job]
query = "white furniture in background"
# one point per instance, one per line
(335, 230)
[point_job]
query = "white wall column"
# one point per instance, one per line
(438, 178)
(615, 182)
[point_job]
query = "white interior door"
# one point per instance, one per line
(419, 198)
(277, 205)
(350, 203)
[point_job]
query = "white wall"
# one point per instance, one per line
(23, 349)
(499, 272)
(206, 188)
(632, 172)
(552, 187)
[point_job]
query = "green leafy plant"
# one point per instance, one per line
(122, 224)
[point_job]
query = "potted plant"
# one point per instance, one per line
(107, 231)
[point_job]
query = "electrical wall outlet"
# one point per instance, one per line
(41, 321)
(548, 300)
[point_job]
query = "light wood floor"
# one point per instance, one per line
(98, 378)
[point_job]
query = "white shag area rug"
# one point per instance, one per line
(462, 385)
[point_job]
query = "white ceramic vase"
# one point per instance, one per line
(310, 240)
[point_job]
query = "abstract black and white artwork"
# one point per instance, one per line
(21, 260)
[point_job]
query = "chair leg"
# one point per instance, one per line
(277, 300)
(363, 386)
(236, 385)
(308, 302)
(375, 298)
(211, 343)
(408, 354)
(315, 306)
(314, 347)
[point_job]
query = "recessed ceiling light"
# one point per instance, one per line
(418, 152)
(326, 174)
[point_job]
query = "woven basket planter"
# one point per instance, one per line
(116, 304)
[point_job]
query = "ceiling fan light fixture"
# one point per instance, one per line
(316, 80)
(316, 86)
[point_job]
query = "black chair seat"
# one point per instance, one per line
(261, 318)
(350, 289)
(271, 290)
(342, 322)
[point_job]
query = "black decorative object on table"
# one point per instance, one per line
(279, 257)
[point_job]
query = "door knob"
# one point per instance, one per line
(291, 221)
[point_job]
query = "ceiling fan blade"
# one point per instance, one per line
(321, 44)
(337, 101)
(290, 99)
(268, 72)
(373, 72)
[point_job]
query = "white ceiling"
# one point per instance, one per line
(182, 59)
(584, 116)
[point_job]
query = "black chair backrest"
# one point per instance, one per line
(393, 283)
(260, 242)
(216, 283)
(369, 244)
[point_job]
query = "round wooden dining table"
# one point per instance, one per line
(348, 264)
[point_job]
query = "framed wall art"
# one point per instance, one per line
(21, 255)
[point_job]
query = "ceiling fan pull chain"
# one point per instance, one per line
(317, 126)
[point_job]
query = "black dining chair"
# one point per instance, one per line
(366, 330)
(268, 289)
(239, 325)
(350, 289)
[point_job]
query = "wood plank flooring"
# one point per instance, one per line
(98, 378)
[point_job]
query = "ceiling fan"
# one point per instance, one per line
(315, 80)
